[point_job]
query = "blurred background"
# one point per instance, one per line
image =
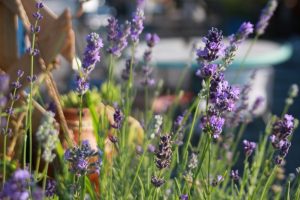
(181, 23)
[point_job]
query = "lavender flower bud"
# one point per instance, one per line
(118, 119)
(234, 174)
(249, 147)
(157, 182)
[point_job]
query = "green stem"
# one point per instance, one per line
(110, 74)
(146, 105)
(136, 173)
(45, 177)
(5, 136)
(37, 166)
(80, 118)
(186, 145)
(267, 185)
(208, 168)
(83, 188)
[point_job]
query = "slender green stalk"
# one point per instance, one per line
(186, 145)
(30, 103)
(110, 75)
(80, 118)
(208, 169)
(136, 173)
(5, 135)
(45, 177)
(37, 165)
(146, 105)
(83, 188)
(267, 185)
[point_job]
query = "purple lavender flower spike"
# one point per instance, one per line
(16, 188)
(112, 29)
(79, 158)
(212, 124)
(120, 40)
(137, 25)
(213, 46)
(50, 188)
(244, 31)
(157, 182)
(249, 147)
(91, 53)
(282, 129)
(118, 119)
(265, 17)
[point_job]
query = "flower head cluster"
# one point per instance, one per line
(83, 159)
(164, 152)
(36, 28)
(90, 58)
(137, 25)
(235, 40)
(157, 182)
(50, 188)
(91, 53)
(223, 95)
(282, 129)
(117, 36)
(118, 119)
(17, 188)
(212, 124)
(47, 136)
(213, 46)
(265, 17)
(152, 40)
(249, 147)
(184, 197)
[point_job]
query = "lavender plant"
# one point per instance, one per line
(194, 155)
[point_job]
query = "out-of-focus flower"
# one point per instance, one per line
(157, 182)
(216, 181)
(50, 188)
(137, 25)
(234, 174)
(265, 17)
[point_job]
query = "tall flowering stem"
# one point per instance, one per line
(90, 58)
(7, 131)
(35, 29)
(148, 81)
(117, 38)
(260, 28)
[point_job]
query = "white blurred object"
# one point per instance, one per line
(76, 63)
